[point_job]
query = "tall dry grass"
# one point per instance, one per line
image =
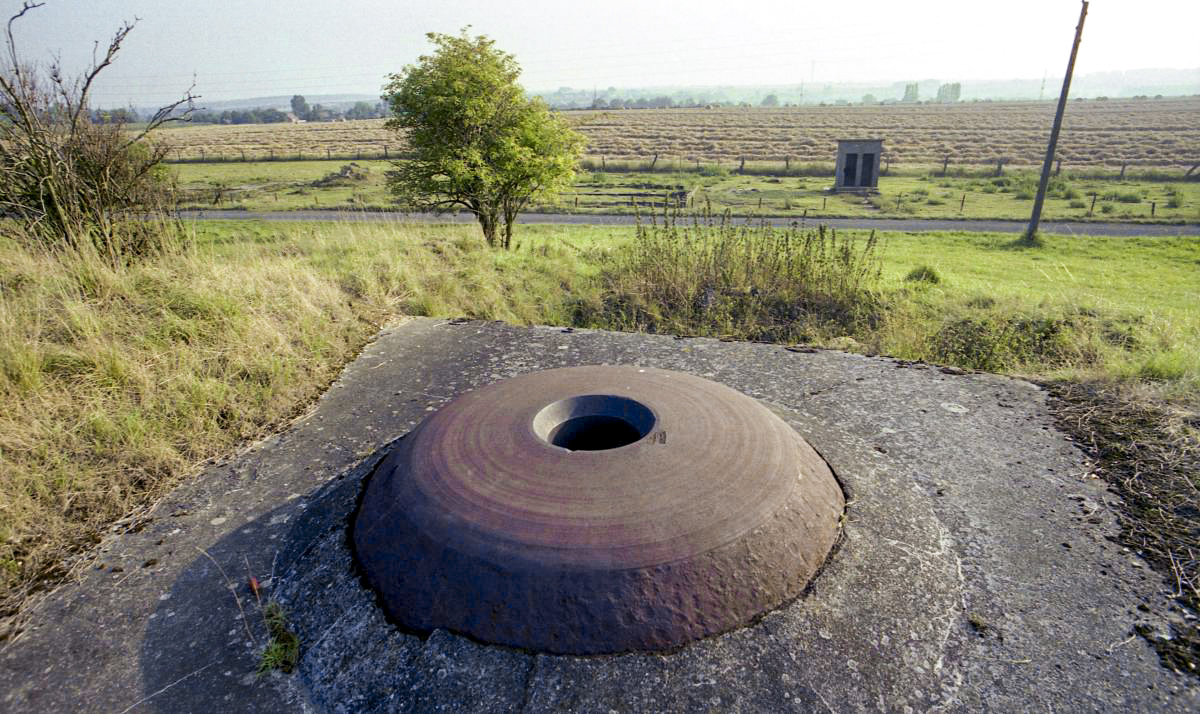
(710, 275)
(118, 380)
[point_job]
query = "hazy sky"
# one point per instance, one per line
(250, 48)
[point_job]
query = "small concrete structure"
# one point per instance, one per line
(858, 164)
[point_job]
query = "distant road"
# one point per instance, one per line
(879, 224)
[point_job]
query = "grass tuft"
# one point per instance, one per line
(923, 274)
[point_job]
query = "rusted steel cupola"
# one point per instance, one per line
(596, 509)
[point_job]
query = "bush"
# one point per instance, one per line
(72, 182)
(923, 274)
(1078, 204)
(994, 342)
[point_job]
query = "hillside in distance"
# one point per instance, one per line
(1133, 83)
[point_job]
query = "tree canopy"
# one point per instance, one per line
(476, 142)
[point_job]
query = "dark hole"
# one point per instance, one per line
(850, 170)
(868, 169)
(594, 433)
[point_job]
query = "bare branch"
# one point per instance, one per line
(114, 46)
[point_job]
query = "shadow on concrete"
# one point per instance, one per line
(203, 643)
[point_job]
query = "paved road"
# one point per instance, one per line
(879, 224)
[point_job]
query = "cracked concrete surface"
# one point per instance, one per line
(976, 569)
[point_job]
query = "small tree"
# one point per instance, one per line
(66, 177)
(299, 106)
(477, 143)
(770, 101)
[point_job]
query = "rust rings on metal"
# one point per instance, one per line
(596, 509)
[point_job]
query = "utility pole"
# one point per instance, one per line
(1031, 233)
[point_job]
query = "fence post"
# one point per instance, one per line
(962, 203)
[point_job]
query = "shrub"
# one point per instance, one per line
(923, 274)
(1078, 204)
(70, 181)
(997, 341)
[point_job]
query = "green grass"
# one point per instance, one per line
(288, 185)
(1078, 307)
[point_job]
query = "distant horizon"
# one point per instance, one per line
(269, 47)
(1052, 87)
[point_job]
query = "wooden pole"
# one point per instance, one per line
(1031, 232)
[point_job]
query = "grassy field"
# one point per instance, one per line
(293, 185)
(119, 381)
(1160, 133)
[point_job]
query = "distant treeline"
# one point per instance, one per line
(301, 111)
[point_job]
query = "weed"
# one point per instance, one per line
(283, 648)
(710, 276)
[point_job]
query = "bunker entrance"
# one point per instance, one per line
(868, 170)
(551, 512)
(850, 171)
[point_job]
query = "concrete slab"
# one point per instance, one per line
(976, 569)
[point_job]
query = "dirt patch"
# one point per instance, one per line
(1150, 456)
